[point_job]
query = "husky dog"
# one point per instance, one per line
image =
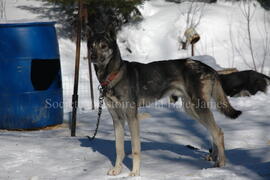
(128, 85)
(250, 82)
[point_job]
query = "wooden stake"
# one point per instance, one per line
(85, 17)
(77, 68)
(192, 49)
(91, 80)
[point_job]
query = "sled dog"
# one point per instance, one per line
(250, 82)
(129, 85)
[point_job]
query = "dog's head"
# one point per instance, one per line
(102, 49)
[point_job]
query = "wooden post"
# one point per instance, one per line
(192, 37)
(192, 49)
(91, 79)
(77, 69)
(85, 17)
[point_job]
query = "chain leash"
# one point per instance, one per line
(102, 91)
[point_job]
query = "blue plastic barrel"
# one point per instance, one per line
(30, 76)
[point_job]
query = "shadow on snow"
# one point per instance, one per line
(235, 157)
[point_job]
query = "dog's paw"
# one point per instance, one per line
(219, 164)
(208, 158)
(114, 171)
(211, 157)
(132, 174)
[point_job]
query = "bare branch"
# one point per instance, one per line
(248, 14)
(3, 15)
(192, 16)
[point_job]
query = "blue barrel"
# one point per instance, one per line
(30, 76)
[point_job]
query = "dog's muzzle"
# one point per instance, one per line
(94, 58)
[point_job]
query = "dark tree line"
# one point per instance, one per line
(102, 14)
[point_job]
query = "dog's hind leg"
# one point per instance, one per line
(200, 109)
(189, 108)
(119, 124)
(217, 154)
(206, 118)
(134, 128)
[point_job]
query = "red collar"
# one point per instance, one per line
(109, 79)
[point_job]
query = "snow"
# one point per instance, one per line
(165, 129)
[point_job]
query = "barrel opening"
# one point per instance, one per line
(44, 73)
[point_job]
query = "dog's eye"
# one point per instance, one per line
(103, 46)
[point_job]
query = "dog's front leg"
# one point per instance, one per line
(134, 128)
(119, 124)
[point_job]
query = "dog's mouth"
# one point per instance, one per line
(99, 60)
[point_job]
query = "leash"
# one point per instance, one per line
(103, 87)
(100, 99)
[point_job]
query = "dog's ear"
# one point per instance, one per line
(111, 33)
(90, 32)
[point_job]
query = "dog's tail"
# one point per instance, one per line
(223, 104)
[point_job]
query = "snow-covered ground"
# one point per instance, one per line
(166, 131)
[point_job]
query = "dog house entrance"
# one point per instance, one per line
(44, 72)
